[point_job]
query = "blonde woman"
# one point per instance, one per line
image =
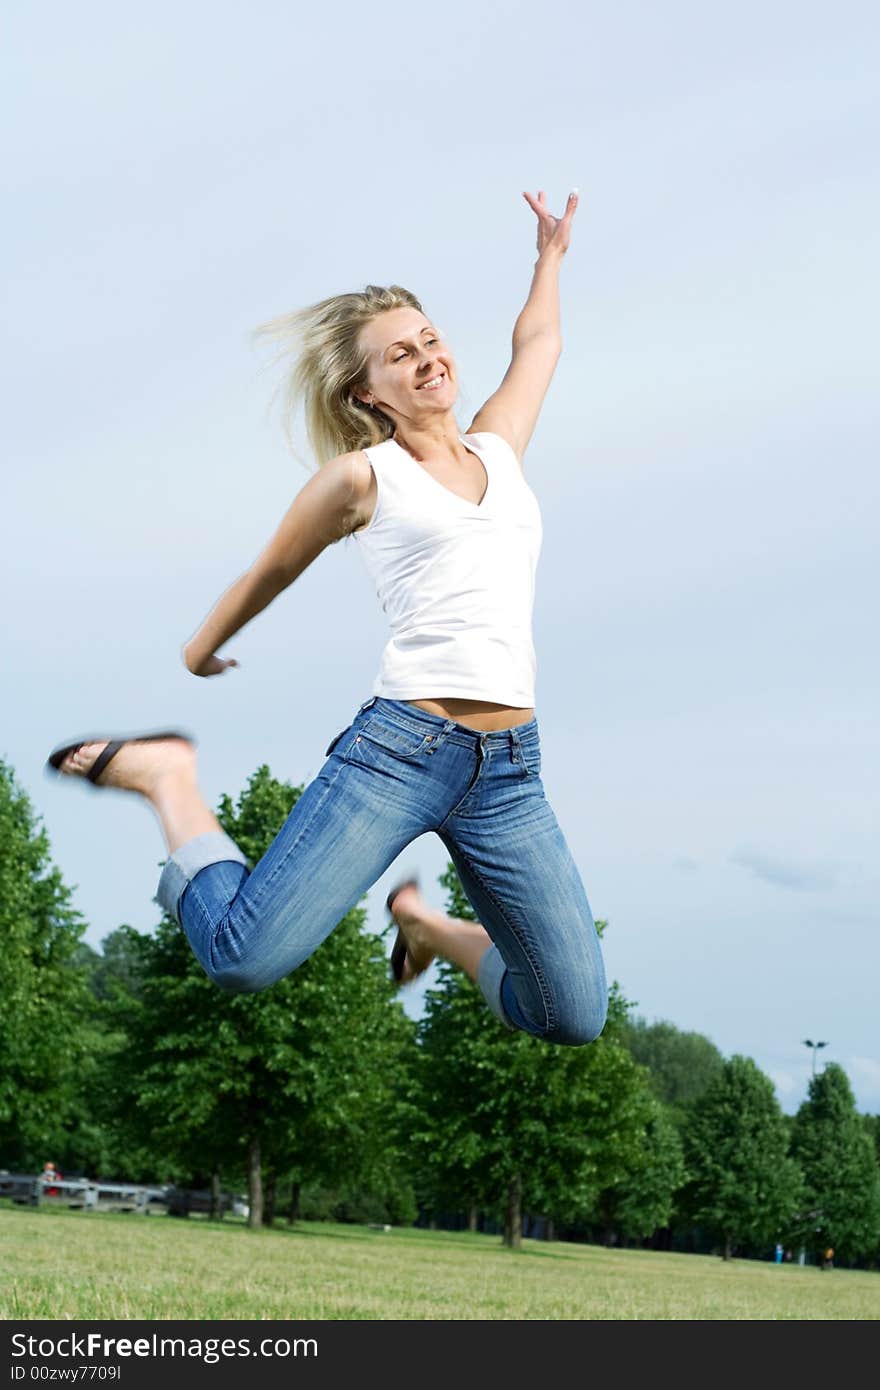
(450, 532)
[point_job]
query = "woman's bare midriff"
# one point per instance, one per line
(482, 715)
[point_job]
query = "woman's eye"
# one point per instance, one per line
(400, 356)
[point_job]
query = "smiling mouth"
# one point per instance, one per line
(433, 384)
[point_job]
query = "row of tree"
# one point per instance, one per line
(323, 1098)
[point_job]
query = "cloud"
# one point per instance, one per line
(784, 1082)
(687, 866)
(786, 873)
(865, 1070)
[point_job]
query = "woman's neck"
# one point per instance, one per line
(440, 439)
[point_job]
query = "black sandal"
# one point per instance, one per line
(57, 756)
(398, 950)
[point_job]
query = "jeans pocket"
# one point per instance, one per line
(381, 735)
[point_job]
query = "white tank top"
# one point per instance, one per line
(456, 578)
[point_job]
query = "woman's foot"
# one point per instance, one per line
(415, 917)
(139, 766)
(160, 767)
(429, 933)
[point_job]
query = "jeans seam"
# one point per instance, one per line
(536, 971)
(221, 926)
(302, 831)
(463, 798)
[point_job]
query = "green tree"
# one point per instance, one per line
(841, 1205)
(118, 1138)
(680, 1065)
(294, 1083)
(118, 965)
(743, 1187)
(643, 1197)
(44, 1013)
(872, 1129)
(509, 1124)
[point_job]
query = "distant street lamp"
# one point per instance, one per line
(808, 1042)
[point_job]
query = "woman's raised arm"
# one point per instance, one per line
(512, 411)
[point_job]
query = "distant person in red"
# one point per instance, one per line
(50, 1174)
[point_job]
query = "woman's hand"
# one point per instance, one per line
(207, 665)
(554, 233)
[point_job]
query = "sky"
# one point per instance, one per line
(705, 461)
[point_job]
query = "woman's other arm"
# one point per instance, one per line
(513, 410)
(325, 510)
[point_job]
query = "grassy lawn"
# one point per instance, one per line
(76, 1265)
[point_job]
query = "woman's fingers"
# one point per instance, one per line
(552, 229)
(215, 666)
(539, 205)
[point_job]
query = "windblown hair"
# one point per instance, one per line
(329, 365)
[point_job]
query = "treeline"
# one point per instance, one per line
(321, 1097)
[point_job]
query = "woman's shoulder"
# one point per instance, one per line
(492, 440)
(356, 467)
(359, 476)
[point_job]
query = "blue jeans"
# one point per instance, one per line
(394, 773)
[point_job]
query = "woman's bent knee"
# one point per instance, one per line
(569, 1027)
(577, 1026)
(576, 1033)
(238, 978)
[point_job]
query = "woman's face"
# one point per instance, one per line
(411, 371)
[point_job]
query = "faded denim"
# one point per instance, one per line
(391, 775)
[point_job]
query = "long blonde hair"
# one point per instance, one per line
(329, 365)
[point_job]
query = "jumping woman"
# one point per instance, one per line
(450, 532)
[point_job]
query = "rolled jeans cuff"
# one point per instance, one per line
(214, 847)
(490, 976)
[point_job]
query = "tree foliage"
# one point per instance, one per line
(643, 1197)
(509, 1122)
(681, 1065)
(743, 1188)
(45, 1009)
(841, 1204)
(294, 1082)
(132, 1064)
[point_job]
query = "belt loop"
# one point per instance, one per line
(367, 703)
(515, 746)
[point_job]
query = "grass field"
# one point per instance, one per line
(76, 1265)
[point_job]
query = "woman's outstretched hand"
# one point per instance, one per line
(553, 232)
